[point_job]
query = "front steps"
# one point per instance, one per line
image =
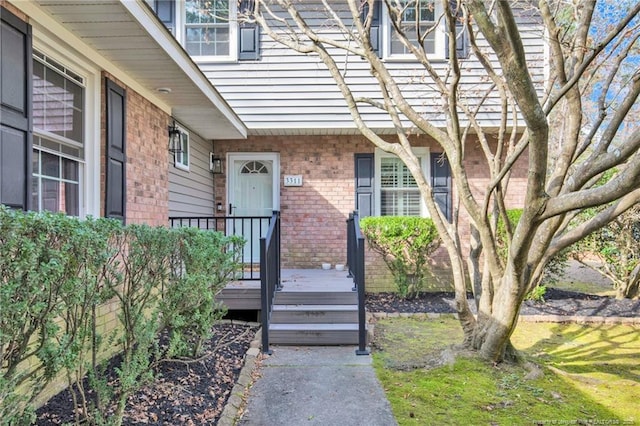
(314, 318)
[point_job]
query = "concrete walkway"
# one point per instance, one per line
(317, 385)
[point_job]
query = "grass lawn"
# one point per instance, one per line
(576, 374)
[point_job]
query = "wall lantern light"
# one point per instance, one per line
(175, 143)
(215, 164)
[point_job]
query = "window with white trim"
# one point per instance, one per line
(208, 27)
(210, 30)
(397, 190)
(58, 137)
(181, 158)
(416, 14)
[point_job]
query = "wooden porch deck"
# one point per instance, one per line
(245, 294)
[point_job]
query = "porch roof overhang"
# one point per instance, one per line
(126, 39)
(337, 130)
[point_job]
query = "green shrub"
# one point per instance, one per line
(137, 282)
(50, 273)
(405, 244)
(537, 294)
(56, 270)
(204, 263)
(613, 251)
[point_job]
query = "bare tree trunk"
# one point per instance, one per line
(556, 184)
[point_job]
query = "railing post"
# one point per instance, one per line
(276, 215)
(362, 317)
(269, 275)
(350, 244)
(355, 259)
(264, 296)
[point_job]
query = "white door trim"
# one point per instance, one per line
(274, 157)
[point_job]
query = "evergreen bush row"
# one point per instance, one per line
(62, 279)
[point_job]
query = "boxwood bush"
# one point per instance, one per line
(405, 244)
(55, 274)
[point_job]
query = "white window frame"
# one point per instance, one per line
(181, 34)
(422, 153)
(182, 159)
(89, 173)
(439, 42)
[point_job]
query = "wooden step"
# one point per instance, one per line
(313, 334)
(316, 298)
(310, 314)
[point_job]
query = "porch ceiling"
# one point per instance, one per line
(128, 34)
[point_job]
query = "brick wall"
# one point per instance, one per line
(147, 166)
(11, 8)
(314, 215)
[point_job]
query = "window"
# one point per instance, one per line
(414, 14)
(398, 191)
(166, 13)
(207, 28)
(181, 159)
(58, 141)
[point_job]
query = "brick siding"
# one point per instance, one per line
(11, 8)
(314, 215)
(147, 166)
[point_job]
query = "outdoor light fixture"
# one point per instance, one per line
(215, 164)
(175, 144)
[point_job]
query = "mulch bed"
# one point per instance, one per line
(556, 302)
(195, 393)
(184, 393)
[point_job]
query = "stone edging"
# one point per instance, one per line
(229, 415)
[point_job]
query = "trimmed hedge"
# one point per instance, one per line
(55, 274)
(405, 244)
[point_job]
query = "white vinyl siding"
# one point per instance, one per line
(191, 192)
(288, 93)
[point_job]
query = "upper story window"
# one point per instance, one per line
(209, 29)
(415, 15)
(58, 141)
(420, 23)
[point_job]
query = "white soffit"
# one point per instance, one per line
(127, 34)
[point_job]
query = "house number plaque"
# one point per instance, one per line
(292, 180)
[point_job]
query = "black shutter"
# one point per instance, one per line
(364, 173)
(166, 11)
(115, 180)
(462, 38)
(15, 111)
(249, 34)
(375, 33)
(441, 183)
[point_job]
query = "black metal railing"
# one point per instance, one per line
(269, 274)
(355, 260)
(251, 228)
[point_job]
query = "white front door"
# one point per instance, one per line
(253, 192)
